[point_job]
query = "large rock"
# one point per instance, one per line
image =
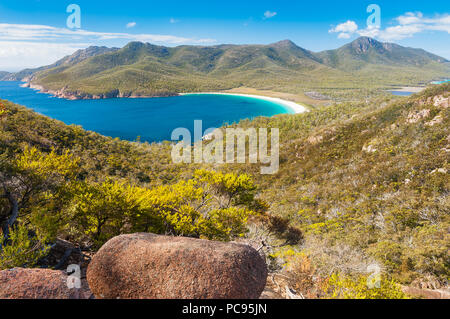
(148, 266)
(62, 254)
(22, 283)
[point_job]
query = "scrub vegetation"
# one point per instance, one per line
(360, 184)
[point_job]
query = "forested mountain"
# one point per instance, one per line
(366, 51)
(143, 69)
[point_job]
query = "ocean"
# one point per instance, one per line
(151, 119)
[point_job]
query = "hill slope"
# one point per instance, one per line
(368, 58)
(3, 75)
(366, 183)
(142, 69)
(364, 51)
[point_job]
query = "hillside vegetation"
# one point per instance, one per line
(367, 183)
(360, 69)
(360, 185)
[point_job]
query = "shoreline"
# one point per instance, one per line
(412, 89)
(62, 94)
(293, 106)
(296, 108)
(441, 81)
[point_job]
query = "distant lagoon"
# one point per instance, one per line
(407, 91)
(152, 119)
(441, 82)
(402, 93)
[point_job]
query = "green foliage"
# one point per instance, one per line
(22, 250)
(225, 224)
(38, 180)
(101, 210)
(40, 167)
(230, 189)
(362, 287)
(34, 183)
(211, 205)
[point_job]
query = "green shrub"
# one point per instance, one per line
(362, 287)
(22, 250)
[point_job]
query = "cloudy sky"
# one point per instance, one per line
(35, 32)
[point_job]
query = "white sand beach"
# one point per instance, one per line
(295, 107)
(413, 89)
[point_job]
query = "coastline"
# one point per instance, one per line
(294, 107)
(63, 94)
(441, 81)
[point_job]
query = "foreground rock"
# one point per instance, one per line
(20, 283)
(148, 266)
(422, 293)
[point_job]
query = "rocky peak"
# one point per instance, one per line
(364, 44)
(285, 44)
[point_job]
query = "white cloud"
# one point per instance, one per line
(410, 24)
(347, 27)
(370, 31)
(43, 32)
(344, 36)
(409, 18)
(15, 56)
(407, 25)
(269, 14)
(399, 32)
(131, 25)
(26, 45)
(172, 20)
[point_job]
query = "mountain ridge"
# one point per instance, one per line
(144, 69)
(372, 51)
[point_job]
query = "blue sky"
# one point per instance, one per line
(34, 32)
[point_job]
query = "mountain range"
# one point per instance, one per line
(143, 69)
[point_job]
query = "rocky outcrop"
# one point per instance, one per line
(148, 266)
(438, 119)
(440, 101)
(21, 283)
(62, 254)
(416, 116)
(65, 93)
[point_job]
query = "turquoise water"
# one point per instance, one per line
(153, 119)
(441, 82)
